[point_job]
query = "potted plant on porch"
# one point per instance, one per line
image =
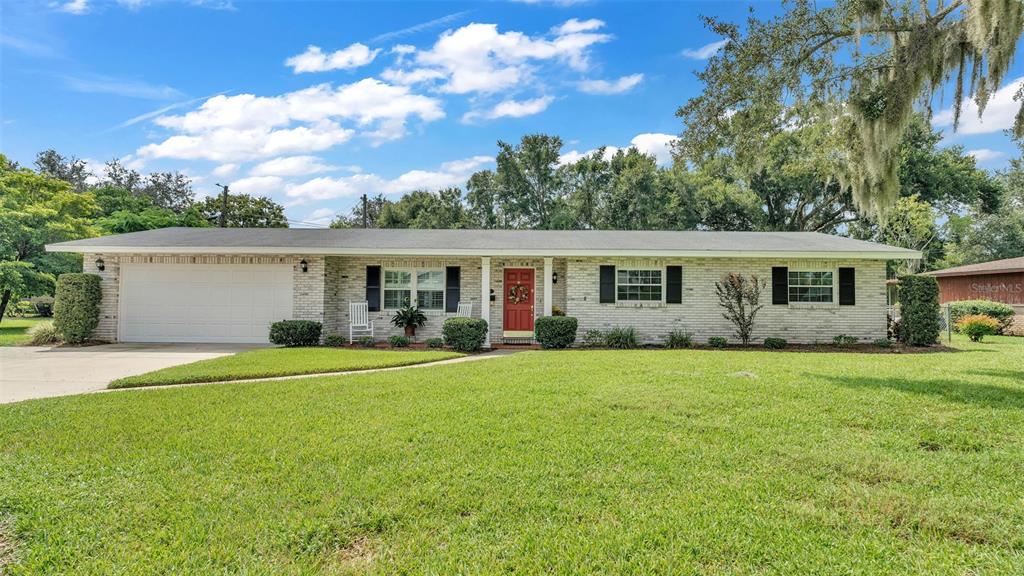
(410, 318)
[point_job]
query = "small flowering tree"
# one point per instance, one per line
(740, 297)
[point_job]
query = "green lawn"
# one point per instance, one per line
(14, 331)
(628, 462)
(269, 362)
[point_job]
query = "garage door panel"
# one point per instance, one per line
(203, 302)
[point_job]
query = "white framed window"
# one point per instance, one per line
(424, 287)
(811, 286)
(430, 289)
(638, 285)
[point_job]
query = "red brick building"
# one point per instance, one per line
(1001, 281)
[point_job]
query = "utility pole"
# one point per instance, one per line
(366, 223)
(222, 220)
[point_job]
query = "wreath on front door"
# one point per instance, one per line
(518, 293)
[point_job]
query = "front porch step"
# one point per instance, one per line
(517, 341)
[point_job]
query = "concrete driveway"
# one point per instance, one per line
(36, 372)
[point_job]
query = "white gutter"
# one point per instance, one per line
(513, 252)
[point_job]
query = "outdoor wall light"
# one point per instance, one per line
(100, 265)
(304, 265)
(554, 277)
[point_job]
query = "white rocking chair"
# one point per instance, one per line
(359, 319)
(465, 310)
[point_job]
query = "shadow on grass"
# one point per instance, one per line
(958, 391)
(1016, 375)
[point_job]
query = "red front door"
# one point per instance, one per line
(518, 300)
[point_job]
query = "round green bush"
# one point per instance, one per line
(775, 343)
(465, 334)
(335, 340)
(434, 343)
(555, 331)
(919, 307)
(1002, 312)
(76, 308)
(718, 342)
(295, 333)
(399, 341)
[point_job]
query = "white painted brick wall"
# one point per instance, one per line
(701, 314)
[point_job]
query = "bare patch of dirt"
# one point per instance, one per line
(360, 553)
(6, 544)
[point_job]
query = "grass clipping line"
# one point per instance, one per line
(280, 362)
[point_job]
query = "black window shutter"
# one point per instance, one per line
(451, 288)
(847, 287)
(373, 288)
(780, 285)
(674, 284)
(607, 285)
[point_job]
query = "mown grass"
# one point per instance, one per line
(270, 362)
(629, 462)
(14, 331)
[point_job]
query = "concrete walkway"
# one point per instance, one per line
(28, 372)
(470, 358)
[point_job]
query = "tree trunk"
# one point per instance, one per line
(3, 304)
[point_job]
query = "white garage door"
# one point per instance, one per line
(203, 302)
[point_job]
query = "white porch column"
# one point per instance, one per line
(549, 264)
(485, 295)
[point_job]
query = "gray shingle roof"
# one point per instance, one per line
(484, 243)
(1004, 266)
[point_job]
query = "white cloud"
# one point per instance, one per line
(999, 113)
(291, 166)
(97, 84)
(247, 127)
(652, 143)
(225, 170)
(573, 25)
(655, 144)
(477, 58)
(325, 188)
(983, 155)
(511, 109)
(623, 84)
(76, 7)
(314, 59)
(704, 52)
(257, 185)
(233, 145)
(320, 216)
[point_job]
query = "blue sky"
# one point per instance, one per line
(315, 103)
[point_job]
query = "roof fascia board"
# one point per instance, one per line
(858, 255)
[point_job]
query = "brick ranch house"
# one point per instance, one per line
(228, 285)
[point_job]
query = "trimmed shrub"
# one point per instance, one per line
(76, 309)
(20, 309)
(844, 340)
(678, 339)
(335, 341)
(465, 334)
(622, 338)
(43, 334)
(775, 343)
(398, 341)
(295, 333)
(594, 338)
(366, 341)
(718, 342)
(977, 326)
(1003, 313)
(44, 305)
(882, 343)
(435, 343)
(919, 307)
(555, 331)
